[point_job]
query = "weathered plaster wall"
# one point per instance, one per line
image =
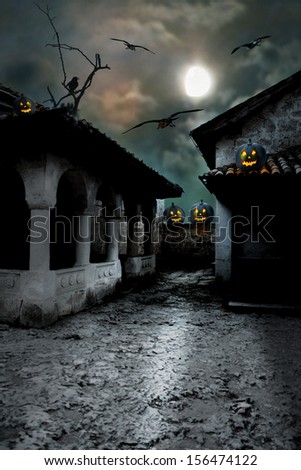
(277, 127)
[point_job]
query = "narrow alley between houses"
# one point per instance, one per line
(163, 367)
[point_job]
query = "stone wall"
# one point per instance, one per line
(187, 245)
(277, 127)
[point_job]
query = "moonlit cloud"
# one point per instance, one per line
(122, 104)
(192, 15)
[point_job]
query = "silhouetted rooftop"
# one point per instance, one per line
(284, 162)
(54, 130)
(231, 121)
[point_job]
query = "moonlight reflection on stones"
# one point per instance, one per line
(154, 370)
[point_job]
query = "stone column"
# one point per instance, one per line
(223, 243)
(39, 239)
(82, 228)
(136, 236)
(119, 211)
(112, 234)
(155, 237)
(121, 228)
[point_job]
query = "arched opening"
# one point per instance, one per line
(15, 214)
(105, 207)
(71, 201)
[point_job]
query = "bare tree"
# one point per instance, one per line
(71, 86)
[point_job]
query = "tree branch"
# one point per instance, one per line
(51, 21)
(76, 94)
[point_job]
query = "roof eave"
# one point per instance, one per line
(231, 121)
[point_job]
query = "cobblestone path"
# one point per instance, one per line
(167, 367)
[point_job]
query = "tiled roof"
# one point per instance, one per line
(285, 162)
(7, 98)
(83, 143)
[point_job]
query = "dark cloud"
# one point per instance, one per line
(140, 85)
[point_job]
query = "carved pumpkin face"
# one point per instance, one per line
(200, 216)
(250, 156)
(24, 105)
(201, 212)
(174, 214)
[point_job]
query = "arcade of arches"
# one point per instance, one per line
(69, 246)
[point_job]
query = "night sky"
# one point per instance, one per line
(140, 85)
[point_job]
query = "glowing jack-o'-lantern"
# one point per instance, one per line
(24, 105)
(250, 156)
(174, 214)
(201, 212)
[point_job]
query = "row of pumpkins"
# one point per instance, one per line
(249, 156)
(200, 212)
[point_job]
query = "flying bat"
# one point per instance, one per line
(130, 46)
(164, 122)
(252, 44)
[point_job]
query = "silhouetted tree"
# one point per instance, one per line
(71, 86)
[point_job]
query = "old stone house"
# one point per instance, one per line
(77, 211)
(257, 240)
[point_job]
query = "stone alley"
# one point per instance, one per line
(164, 367)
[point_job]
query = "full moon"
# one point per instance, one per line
(197, 81)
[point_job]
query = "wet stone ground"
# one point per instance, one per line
(166, 367)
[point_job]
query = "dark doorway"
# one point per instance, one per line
(15, 214)
(71, 202)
